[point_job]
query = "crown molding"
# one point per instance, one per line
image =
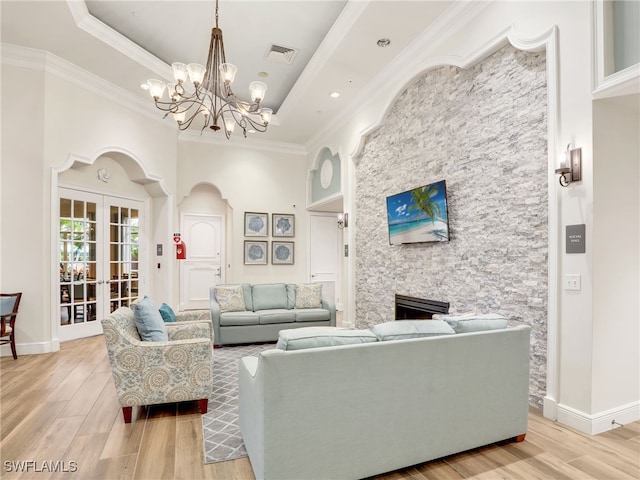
(40, 60)
(90, 24)
(247, 143)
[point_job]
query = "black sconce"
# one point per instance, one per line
(571, 168)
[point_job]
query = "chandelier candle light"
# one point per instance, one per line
(209, 95)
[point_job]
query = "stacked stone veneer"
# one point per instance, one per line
(484, 131)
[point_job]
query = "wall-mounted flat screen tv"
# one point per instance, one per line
(419, 215)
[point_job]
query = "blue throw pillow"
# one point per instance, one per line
(167, 313)
(149, 323)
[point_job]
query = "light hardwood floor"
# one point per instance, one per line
(62, 407)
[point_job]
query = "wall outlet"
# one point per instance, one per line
(572, 282)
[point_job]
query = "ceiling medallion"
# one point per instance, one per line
(205, 93)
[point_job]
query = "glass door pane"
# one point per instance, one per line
(77, 255)
(99, 249)
(124, 249)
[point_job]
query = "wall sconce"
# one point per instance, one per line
(571, 168)
(343, 220)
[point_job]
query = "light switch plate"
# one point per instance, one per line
(572, 282)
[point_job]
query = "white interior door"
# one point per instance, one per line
(98, 245)
(203, 268)
(324, 254)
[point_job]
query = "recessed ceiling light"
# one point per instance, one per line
(334, 94)
(263, 74)
(144, 86)
(384, 42)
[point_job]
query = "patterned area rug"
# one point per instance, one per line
(222, 438)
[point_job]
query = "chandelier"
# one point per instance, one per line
(205, 93)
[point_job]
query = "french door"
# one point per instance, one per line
(99, 246)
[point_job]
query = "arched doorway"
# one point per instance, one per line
(100, 220)
(203, 226)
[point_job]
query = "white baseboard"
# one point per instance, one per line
(550, 408)
(599, 422)
(30, 348)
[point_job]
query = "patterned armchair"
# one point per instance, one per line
(147, 373)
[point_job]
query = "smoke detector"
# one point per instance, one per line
(281, 54)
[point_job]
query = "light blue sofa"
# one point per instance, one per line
(354, 411)
(268, 308)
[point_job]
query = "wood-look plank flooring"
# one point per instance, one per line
(60, 411)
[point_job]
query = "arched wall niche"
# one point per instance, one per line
(324, 182)
(204, 197)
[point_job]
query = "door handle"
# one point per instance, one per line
(100, 282)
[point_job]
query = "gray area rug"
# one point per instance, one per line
(222, 438)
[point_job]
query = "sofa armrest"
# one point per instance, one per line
(190, 329)
(214, 311)
(192, 315)
(329, 305)
(251, 411)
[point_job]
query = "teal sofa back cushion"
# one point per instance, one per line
(315, 337)
(269, 296)
(475, 322)
(291, 295)
(248, 300)
(403, 329)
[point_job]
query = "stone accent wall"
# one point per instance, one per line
(484, 131)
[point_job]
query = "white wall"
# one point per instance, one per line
(616, 258)
(53, 119)
(572, 380)
(251, 180)
(24, 199)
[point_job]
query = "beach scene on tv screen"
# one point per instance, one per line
(418, 215)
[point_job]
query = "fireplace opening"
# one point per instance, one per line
(414, 308)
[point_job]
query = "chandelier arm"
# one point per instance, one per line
(169, 107)
(243, 120)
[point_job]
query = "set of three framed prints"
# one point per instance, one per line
(257, 225)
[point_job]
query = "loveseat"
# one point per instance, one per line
(249, 313)
(353, 411)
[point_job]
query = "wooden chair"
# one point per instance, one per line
(9, 303)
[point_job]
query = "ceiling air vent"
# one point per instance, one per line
(280, 54)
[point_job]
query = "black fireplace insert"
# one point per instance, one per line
(418, 308)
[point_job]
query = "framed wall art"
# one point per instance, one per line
(256, 224)
(255, 252)
(283, 225)
(282, 253)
